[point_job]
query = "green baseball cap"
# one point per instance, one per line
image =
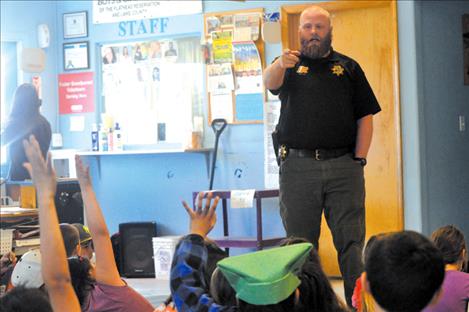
(267, 276)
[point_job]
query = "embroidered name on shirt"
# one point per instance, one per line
(302, 70)
(337, 70)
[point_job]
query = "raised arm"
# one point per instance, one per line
(190, 258)
(55, 271)
(275, 72)
(106, 268)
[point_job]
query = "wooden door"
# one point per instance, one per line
(367, 32)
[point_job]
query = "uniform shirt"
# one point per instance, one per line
(188, 287)
(15, 133)
(322, 99)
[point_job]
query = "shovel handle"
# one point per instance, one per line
(218, 125)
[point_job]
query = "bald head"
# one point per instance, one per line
(314, 12)
(315, 32)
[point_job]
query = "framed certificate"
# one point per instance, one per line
(76, 55)
(75, 25)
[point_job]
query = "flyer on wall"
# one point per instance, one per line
(247, 68)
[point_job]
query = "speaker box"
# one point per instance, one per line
(136, 249)
(68, 202)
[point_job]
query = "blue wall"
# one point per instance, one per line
(444, 97)
(150, 187)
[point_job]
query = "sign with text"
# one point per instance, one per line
(113, 11)
(76, 93)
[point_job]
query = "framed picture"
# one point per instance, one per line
(76, 55)
(75, 25)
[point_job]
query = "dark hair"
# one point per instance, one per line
(450, 241)
(25, 104)
(283, 306)
(82, 281)
(71, 238)
(404, 270)
(221, 290)
(21, 299)
(316, 293)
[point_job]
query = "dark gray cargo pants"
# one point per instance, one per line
(336, 186)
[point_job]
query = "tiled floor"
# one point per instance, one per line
(156, 291)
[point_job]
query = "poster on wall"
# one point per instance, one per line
(222, 46)
(118, 11)
(76, 93)
(246, 27)
(247, 68)
(149, 88)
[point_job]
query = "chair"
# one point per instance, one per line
(257, 242)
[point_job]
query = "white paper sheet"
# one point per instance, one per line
(77, 123)
(221, 106)
(242, 198)
(271, 116)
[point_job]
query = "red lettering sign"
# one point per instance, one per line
(76, 93)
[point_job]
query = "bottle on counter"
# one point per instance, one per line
(118, 144)
(94, 138)
(103, 144)
(110, 139)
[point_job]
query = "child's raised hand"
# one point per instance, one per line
(83, 171)
(203, 219)
(40, 170)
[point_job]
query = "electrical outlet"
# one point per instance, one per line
(462, 123)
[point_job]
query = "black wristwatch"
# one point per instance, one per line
(362, 161)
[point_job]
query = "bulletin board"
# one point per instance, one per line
(234, 58)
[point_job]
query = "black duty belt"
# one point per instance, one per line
(317, 154)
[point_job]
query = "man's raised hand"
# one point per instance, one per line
(289, 58)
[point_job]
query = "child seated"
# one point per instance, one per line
(450, 241)
(266, 280)
(100, 288)
(403, 272)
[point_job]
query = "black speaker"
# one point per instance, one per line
(136, 249)
(68, 202)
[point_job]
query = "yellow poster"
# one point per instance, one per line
(222, 46)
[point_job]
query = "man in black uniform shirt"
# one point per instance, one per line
(324, 133)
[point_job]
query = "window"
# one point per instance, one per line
(8, 84)
(153, 89)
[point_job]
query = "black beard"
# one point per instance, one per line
(314, 51)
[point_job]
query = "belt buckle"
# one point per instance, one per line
(283, 152)
(317, 156)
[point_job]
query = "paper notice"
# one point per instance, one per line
(242, 198)
(77, 123)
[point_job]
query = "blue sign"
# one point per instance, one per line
(142, 27)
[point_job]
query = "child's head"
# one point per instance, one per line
(404, 271)
(450, 241)
(71, 239)
(27, 271)
(82, 274)
(25, 300)
(265, 280)
(315, 290)
(86, 242)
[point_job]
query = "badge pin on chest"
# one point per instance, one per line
(337, 70)
(302, 70)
